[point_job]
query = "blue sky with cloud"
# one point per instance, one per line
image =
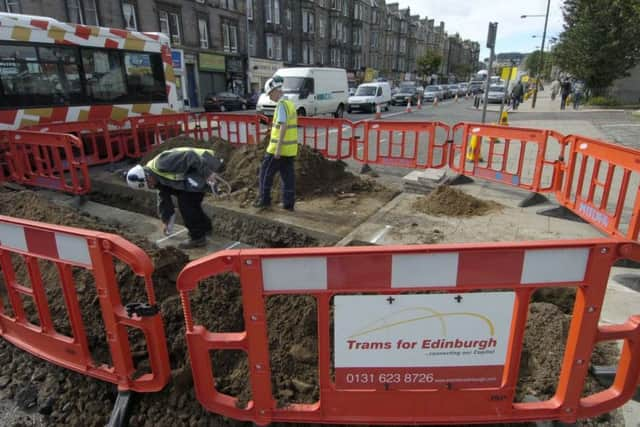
(471, 18)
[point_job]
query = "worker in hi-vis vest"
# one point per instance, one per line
(186, 173)
(282, 149)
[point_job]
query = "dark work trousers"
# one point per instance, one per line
(190, 206)
(284, 165)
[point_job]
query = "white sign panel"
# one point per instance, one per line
(417, 341)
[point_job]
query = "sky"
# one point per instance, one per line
(470, 18)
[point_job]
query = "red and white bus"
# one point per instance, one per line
(52, 71)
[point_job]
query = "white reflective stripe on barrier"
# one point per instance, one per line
(484, 267)
(60, 246)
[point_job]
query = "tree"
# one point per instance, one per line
(429, 63)
(533, 62)
(462, 71)
(600, 41)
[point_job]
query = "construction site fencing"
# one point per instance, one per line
(414, 145)
(519, 157)
(103, 140)
(142, 133)
(601, 183)
(75, 254)
(387, 317)
(48, 160)
(235, 128)
(331, 137)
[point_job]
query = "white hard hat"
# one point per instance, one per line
(136, 178)
(273, 83)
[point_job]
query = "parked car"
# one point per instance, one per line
(225, 101)
(445, 91)
(496, 94)
(368, 95)
(405, 93)
(432, 92)
(462, 89)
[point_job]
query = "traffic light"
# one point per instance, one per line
(491, 37)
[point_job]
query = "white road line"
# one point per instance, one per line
(380, 234)
(621, 125)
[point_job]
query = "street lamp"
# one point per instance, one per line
(540, 63)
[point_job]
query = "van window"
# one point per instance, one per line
(379, 92)
(296, 84)
(366, 91)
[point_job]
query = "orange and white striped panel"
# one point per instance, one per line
(479, 268)
(45, 243)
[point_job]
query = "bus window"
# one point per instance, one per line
(145, 77)
(104, 75)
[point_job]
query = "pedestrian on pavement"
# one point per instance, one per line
(516, 94)
(186, 173)
(578, 92)
(555, 88)
(565, 91)
(282, 149)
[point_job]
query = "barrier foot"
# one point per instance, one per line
(121, 410)
(562, 213)
(533, 199)
(605, 376)
(458, 180)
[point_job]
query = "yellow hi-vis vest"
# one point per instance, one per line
(174, 176)
(288, 147)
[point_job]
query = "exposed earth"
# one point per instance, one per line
(59, 397)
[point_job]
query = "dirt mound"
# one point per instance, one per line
(315, 175)
(448, 201)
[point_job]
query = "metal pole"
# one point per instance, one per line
(541, 62)
(486, 87)
(248, 4)
(506, 92)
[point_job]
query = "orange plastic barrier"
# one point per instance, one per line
(404, 144)
(71, 248)
(398, 313)
(519, 157)
(331, 137)
(235, 128)
(140, 134)
(48, 160)
(101, 139)
(601, 183)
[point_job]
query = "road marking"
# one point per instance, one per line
(380, 234)
(621, 125)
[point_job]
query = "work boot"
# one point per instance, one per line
(261, 206)
(193, 243)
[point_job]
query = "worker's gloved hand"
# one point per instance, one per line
(170, 225)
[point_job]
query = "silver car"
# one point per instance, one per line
(496, 94)
(432, 92)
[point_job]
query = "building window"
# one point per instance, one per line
(357, 36)
(307, 53)
(203, 31)
(272, 11)
(290, 51)
(308, 22)
(130, 19)
(12, 6)
(230, 37)
(250, 10)
(288, 20)
(322, 27)
(274, 47)
(83, 12)
(229, 4)
(374, 39)
(252, 43)
(170, 25)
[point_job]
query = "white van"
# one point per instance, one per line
(368, 95)
(313, 90)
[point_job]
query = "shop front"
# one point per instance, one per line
(261, 70)
(212, 74)
(177, 57)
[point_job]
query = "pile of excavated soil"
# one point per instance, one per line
(70, 399)
(315, 175)
(448, 201)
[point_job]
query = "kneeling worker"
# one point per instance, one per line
(186, 173)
